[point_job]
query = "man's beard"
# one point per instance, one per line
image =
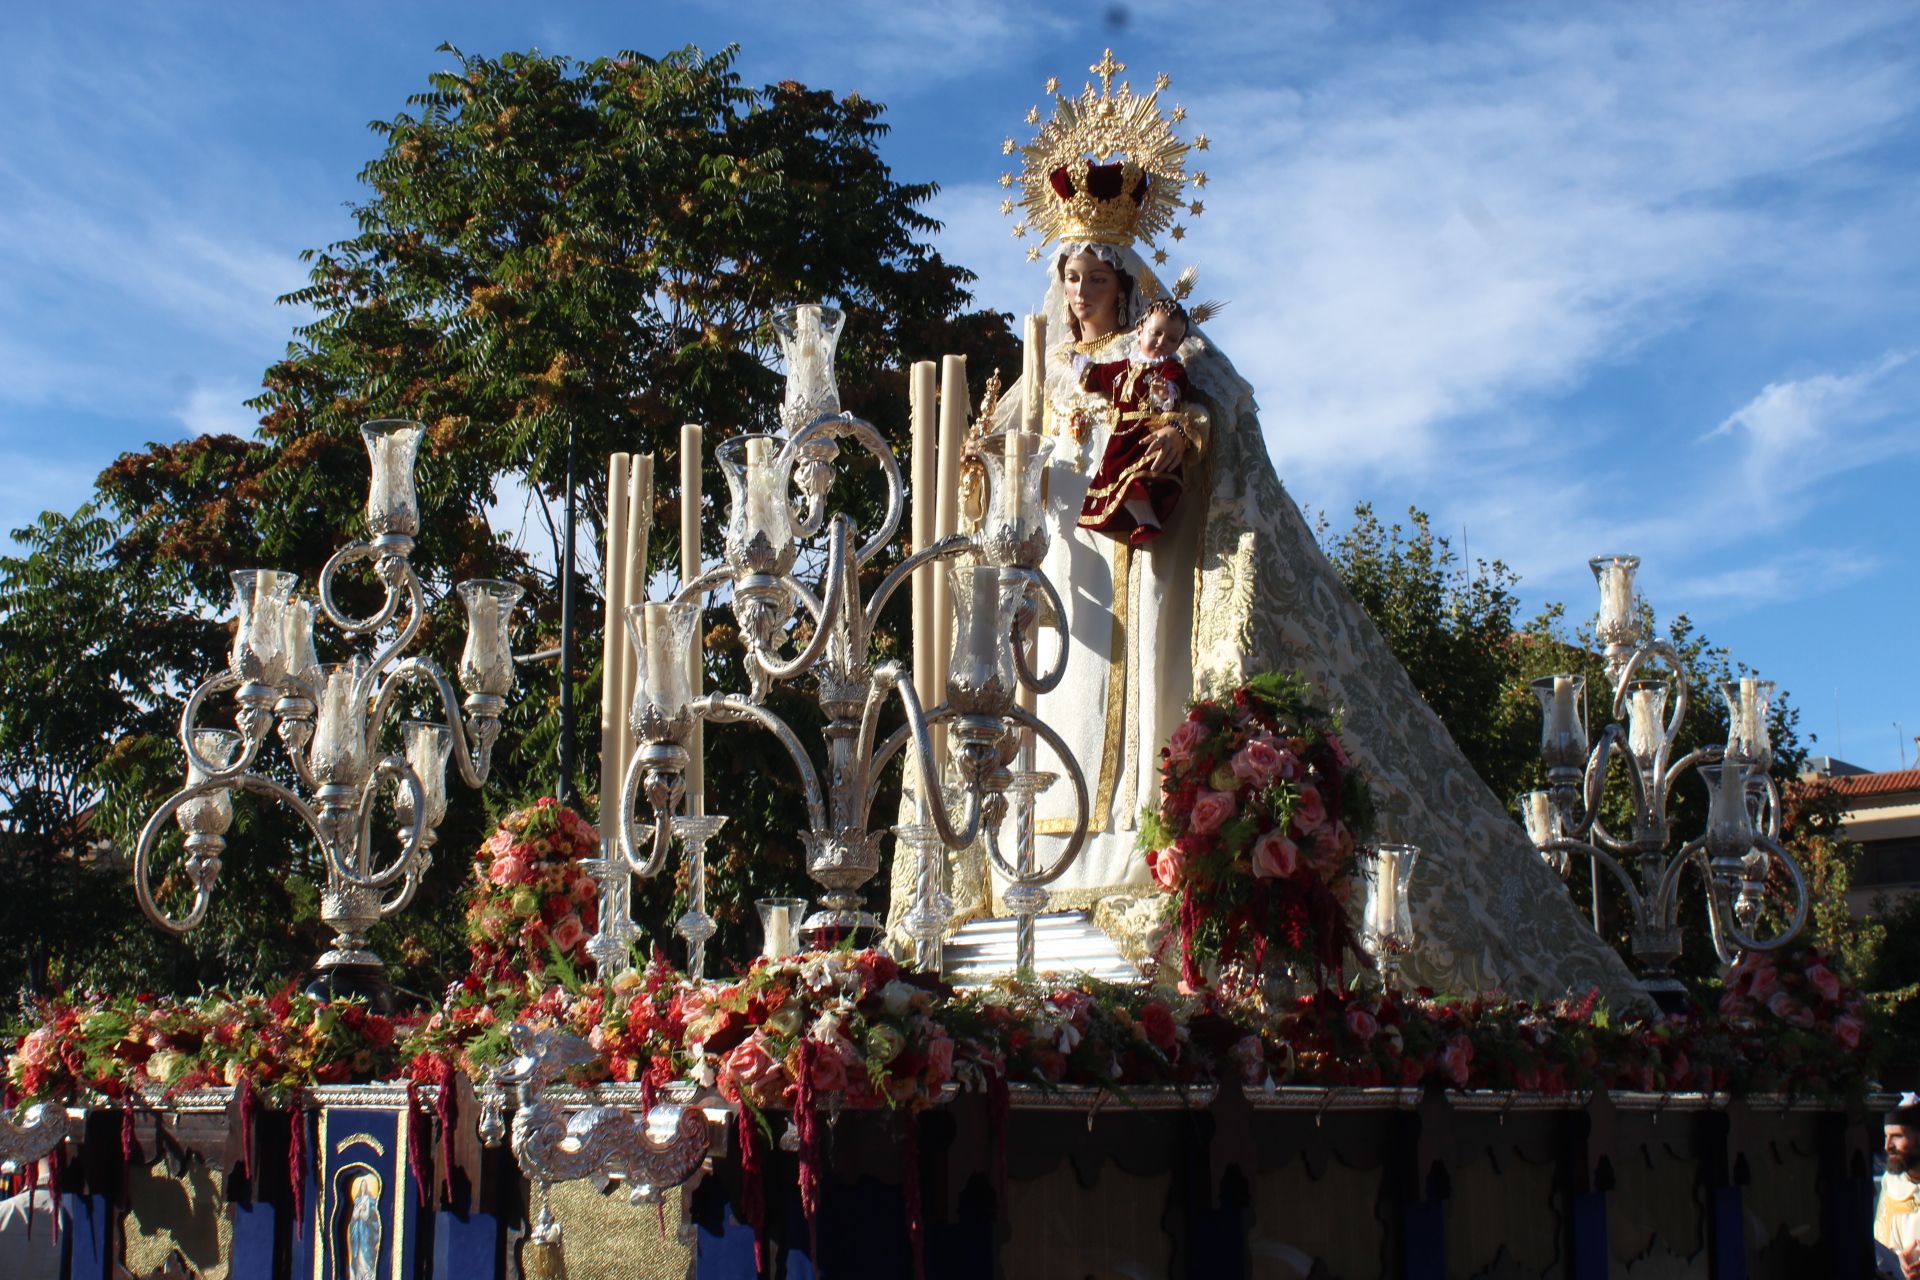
(1896, 1163)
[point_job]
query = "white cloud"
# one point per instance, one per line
(219, 409)
(1796, 575)
(1800, 430)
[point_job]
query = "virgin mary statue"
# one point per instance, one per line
(1233, 586)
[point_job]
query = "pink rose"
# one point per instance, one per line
(1258, 762)
(1165, 865)
(1210, 810)
(1250, 1056)
(569, 932)
(1847, 1029)
(1788, 1010)
(1825, 981)
(1361, 1023)
(37, 1048)
(1763, 980)
(829, 1071)
(1190, 734)
(753, 1071)
(1456, 1058)
(1275, 857)
(510, 868)
(1309, 812)
(939, 1061)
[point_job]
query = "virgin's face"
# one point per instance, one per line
(1092, 292)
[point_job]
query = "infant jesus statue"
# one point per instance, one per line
(1141, 472)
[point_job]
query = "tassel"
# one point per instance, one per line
(56, 1165)
(543, 1260)
(417, 1144)
(127, 1149)
(1190, 971)
(33, 1184)
(446, 1112)
(246, 1104)
(910, 1189)
(297, 1160)
(753, 1196)
(807, 1121)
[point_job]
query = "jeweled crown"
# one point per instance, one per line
(1106, 167)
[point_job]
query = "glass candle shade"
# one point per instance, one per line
(1563, 734)
(1016, 464)
(780, 925)
(808, 335)
(981, 669)
(758, 508)
(392, 447)
(428, 746)
(340, 755)
(1749, 733)
(1729, 821)
(486, 664)
(1387, 920)
(212, 813)
(1619, 614)
(663, 637)
(260, 597)
(303, 661)
(1646, 719)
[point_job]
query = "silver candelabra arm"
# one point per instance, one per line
(1082, 809)
(975, 765)
(337, 850)
(1601, 858)
(1646, 652)
(253, 727)
(1733, 921)
(945, 549)
(825, 616)
(473, 736)
(731, 708)
(1613, 739)
(395, 573)
(843, 426)
(204, 842)
(1026, 632)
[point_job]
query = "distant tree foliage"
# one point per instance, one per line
(547, 246)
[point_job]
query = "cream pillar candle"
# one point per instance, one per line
(953, 431)
(779, 941)
(613, 642)
(1562, 723)
(1385, 920)
(1540, 816)
(692, 441)
(639, 538)
(1033, 376)
(922, 392)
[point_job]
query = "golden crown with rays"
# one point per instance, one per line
(1107, 167)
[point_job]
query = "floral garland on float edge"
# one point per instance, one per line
(1255, 835)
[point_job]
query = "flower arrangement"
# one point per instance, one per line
(1254, 837)
(532, 900)
(848, 1029)
(280, 1044)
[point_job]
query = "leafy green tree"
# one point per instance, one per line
(552, 248)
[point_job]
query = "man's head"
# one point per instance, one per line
(1903, 1139)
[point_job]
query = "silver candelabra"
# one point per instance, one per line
(331, 720)
(778, 487)
(1742, 838)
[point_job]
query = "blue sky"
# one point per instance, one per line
(1574, 279)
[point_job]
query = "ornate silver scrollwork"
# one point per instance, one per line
(44, 1126)
(553, 1142)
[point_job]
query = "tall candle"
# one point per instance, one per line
(1749, 736)
(953, 431)
(1015, 473)
(297, 634)
(922, 388)
(483, 653)
(613, 644)
(639, 527)
(263, 629)
(1033, 376)
(1644, 730)
(692, 441)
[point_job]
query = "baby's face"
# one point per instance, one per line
(1161, 335)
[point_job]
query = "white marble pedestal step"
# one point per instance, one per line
(1063, 942)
